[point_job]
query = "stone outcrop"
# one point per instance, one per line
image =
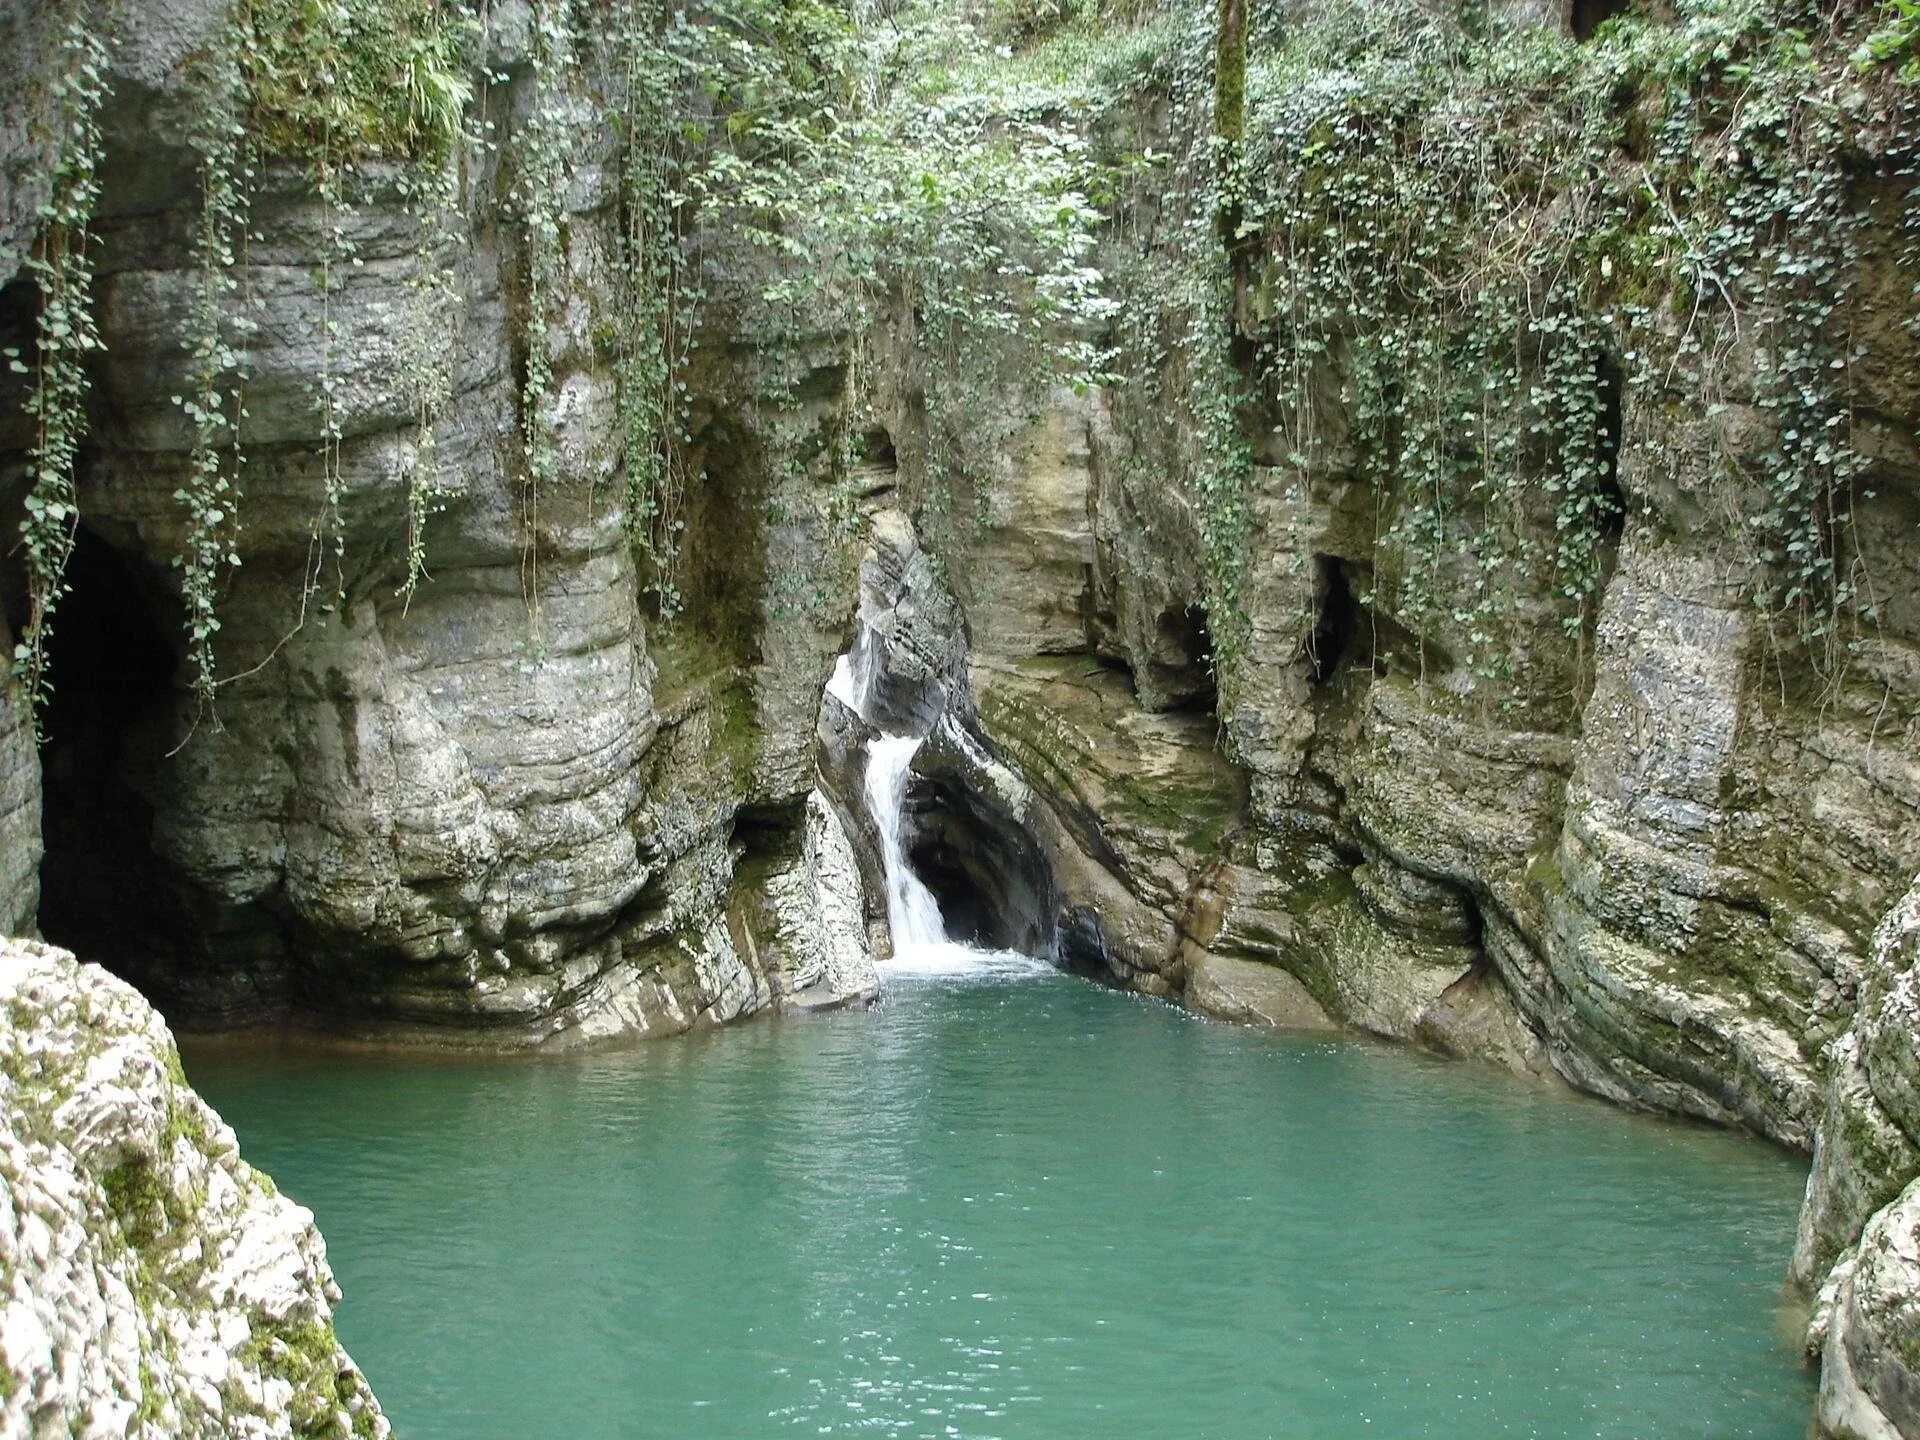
(1859, 1239)
(1870, 1356)
(506, 808)
(152, 1283)
(19, 808)
(1859, 1235)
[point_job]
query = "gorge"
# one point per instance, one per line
(536, 524)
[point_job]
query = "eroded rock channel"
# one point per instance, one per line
(1376, 517)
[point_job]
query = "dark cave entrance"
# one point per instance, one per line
(988, 873)
(877, 452)
(111, 663)
(1181, 663)
(1585, 17)
(1336, 619)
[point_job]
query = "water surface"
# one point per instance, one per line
(1016, 1205)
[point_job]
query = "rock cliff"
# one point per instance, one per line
(486, 807)
(151, 1281)
(1471, 592)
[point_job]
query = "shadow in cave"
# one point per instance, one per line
(1585, 17)
(111, 663)
(1336, 619)
(104, 894)
(1181, 662)
(988, 873)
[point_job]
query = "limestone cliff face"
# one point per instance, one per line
(520, 805)
(152, 1283)
(1860, 1228)
(1649, 859)
(1649, 855)
(503, 805)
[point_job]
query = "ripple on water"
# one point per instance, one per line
(1006, 1203)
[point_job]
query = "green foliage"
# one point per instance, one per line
(1415, 282)
(216, 332)
(545, 158)
(890, 177)
(1896, 42)
(66, 334)
(432, 195)
(356, 80)
(1465, 242)
(659, 300)
(1761, 134)
(1415, 252)
(328, 84)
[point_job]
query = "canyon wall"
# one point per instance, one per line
(487, 808)
(480, 766)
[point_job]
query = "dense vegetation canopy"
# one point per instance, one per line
(1445, 253)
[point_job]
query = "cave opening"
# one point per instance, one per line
(1587, 16)
(877, 451)
(1336, 619)
(986, 871)
(1180, 665)
(111, 662)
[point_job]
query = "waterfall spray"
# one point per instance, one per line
(912, 912)
(920, 941)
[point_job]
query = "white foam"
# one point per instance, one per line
(920, 943)
(912, 913)
(951, 959)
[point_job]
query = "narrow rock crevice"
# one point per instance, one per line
(1180, 665)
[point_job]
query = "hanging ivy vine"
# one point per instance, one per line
(1428, 251)
(216, 331)
(65, 336)
(659, 300)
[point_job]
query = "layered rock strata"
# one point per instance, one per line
(503, 808)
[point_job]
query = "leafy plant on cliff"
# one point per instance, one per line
(1896, 41)
(889, 181)
(330, 87)
(354, 81)
(1470, 246)
(544, 167)
(66, 335)
(659, 297)
(216, 331)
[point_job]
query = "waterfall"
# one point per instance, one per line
(912, 912)
(920, 942)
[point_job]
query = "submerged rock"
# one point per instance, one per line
(152, 1283)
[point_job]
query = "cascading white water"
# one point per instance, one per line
(920, 943)
(912, 912)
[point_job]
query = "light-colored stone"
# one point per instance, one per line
(1252, 993)
(1870, 1359)
(19, 805)
(152, 1283)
